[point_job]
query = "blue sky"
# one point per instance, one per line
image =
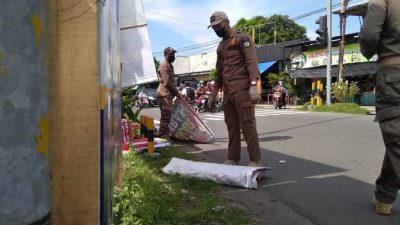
(188, 27)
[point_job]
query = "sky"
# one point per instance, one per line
(182, 24)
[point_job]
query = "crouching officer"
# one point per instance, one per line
(380, 34)
(237, 75)
(166, 91)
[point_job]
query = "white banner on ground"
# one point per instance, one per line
(186, 124)
(239, 176)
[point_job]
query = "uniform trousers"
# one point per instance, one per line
(239, 115)
(387, 102)
(166, 109)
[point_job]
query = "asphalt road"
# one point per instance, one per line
(331, 163)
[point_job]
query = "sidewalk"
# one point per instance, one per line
(371, 109)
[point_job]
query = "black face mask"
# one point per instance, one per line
(171, 58)
(221, 32)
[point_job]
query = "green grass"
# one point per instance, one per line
(149, 197)
(342, 108)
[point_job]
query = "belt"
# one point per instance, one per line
(389, 60)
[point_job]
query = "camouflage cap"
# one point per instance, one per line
(217, 17)
(168, 50)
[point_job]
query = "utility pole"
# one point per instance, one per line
(342, 40)
(329, 51)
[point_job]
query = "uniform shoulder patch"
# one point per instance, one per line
(246, 42)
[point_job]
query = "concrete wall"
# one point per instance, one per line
(24, 114)
(195, 63)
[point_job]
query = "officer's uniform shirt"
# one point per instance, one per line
(236, 63)
(381, 30)
(380, 34)
(166, 87)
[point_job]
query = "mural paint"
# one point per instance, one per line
(24, 166)
(110, 121)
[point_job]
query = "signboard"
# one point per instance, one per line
(309, 59)
(186, 125)
(137, 60)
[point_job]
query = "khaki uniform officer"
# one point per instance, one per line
(237, 75)
(166, 91)
(380, 34)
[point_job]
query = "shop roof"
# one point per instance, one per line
(349, 70)
(357, 10)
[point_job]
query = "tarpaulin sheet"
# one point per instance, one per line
(239, 176)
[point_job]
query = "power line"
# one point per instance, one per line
(213, 42)
(193, 47)
(319, 11)
(215, 45)
(313, 12)
(187, 21)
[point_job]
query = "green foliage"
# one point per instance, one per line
(156, 63)
(274, 78)
(342, 108)
(148, 197)
(286, 29)
(128, 100)
(342, 90)
(212, 75)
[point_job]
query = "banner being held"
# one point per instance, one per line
(186, 124)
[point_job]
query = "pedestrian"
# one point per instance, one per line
(281, 91)
(237, 75)
(182, 90)
(166, 91)
(380, 34)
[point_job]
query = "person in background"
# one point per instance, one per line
(166, 91)
(380, 34)
(182, 90)
(282, 90)
(237, 75)
(212, 100)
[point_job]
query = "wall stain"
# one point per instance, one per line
(37, 25)
(42, 138)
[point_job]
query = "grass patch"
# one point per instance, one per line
(148, 196)
(341, 108)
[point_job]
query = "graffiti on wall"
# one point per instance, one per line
(24, 167)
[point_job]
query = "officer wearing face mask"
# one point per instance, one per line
(166, 91)
(237, 75)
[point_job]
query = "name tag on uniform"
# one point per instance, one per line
(246, 42)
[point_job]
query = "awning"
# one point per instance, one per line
(265, 65)
(349, 70)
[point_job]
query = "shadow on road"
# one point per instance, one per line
(302, 191)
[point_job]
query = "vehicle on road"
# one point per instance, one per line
(151, 97)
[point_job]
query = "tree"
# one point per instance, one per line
(274, 78)
(286, 29)
(212, 75)
(156, 63)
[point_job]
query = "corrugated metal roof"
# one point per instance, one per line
(349, 70)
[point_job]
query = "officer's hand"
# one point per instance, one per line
(254, 95)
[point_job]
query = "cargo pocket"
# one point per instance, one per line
(247, 112)
(392, 86)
